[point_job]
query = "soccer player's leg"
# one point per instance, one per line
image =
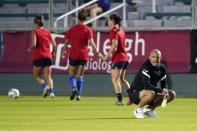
(80, 74)
(115, 78)
(71, 73)
(125, 83)
(49, 81)
(37, 71)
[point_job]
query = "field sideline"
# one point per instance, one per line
(34, 113)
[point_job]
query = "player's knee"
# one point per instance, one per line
(122, 80)
(172, 95)
(114, 81)
(37, 76)
(151, 94)
(148, 93)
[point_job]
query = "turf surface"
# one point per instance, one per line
(34, 113)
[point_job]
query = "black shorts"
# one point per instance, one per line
(135, 98)
(77, 62)
(42, 62)
(120, 65)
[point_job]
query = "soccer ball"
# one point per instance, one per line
(13, 93)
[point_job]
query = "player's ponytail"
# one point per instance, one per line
(82, 15)
(39, 19)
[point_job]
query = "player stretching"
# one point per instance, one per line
(143, 90)
(42, 58)
(119, 56)
(79, 36)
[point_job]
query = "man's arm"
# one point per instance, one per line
(163, 82)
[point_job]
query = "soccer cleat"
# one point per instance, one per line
(45, 91)
(52, 95)
(129, 102)
(119, 103)
(78, 98)
(74, 92)
(138, 112)
(150, 113)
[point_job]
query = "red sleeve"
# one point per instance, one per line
(114, 35)
(90, 34)
(67, 35)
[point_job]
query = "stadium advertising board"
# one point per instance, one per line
(174, 45)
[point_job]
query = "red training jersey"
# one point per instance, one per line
(119, 54)
(43, 40)
(79, 36)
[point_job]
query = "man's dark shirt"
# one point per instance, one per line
(148, 76)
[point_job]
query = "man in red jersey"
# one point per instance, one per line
(79, 36)
(119, 57)
(42, 58)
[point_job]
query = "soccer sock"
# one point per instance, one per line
(43, 85)
(119, 96)
(51, 90)
(79, 84)
(72, 81)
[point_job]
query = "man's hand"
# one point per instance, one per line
(164, 93)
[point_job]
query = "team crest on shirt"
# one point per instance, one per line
(158, 73)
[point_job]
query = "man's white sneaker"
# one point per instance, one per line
(45, 91)
(138, 112)
(150, 113)
(52, 95)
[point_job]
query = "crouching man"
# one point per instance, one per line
(143, 90)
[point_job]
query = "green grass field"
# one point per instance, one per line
(34, 113)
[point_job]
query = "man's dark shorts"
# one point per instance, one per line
(135, 97)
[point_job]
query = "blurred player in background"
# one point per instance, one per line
(79, 37)
(42, 58)
(143, 89)
(119, 57)
(96, 8)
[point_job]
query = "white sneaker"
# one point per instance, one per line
(150, 113)
(138, 112)
(45, 91)
(52, 95)
(78, 98)
(119, 103)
